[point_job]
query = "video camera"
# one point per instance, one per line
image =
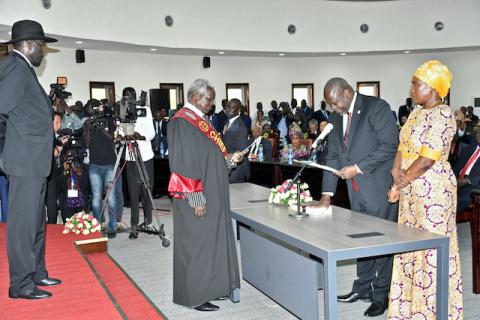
(57, 90)
(126, 110)
(75, 138)
(73, 159)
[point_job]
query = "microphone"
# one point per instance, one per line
(322, 135)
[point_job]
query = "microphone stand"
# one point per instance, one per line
(296, 180)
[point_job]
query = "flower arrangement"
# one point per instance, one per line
(278, 195)
(81, 223)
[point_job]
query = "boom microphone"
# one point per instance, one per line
(322, 135)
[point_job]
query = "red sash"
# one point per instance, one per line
(204, 127)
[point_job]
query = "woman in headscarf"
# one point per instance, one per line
(299, 150)
(426, 187)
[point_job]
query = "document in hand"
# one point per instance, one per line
(316, 165)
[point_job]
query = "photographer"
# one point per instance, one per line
(73, 182)
(99, 132)
(144, 133)
(52, 194)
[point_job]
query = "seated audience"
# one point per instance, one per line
(260, 120)
(299, 150)
(266, 144)
(314, 131)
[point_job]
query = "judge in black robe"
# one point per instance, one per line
(204, 253)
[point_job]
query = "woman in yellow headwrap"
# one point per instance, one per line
(426, 187)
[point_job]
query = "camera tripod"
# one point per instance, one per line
(134, 152)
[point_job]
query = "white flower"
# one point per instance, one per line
(65, 231)
(80, 225)
(85, 232)
(77, 232)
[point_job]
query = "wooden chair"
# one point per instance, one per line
(472, 215)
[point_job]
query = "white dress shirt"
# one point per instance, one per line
(350, 110)
(23, 56)
(144, 126)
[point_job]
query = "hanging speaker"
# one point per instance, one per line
(206, 62)
(80, 55)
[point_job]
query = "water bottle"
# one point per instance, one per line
(162, 150)
(290, 154)
(260, 152)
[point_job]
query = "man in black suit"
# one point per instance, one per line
(222, 118)
(274, 115)
(467, 171)
(235, 136)
(404, 111)
(160, 124)
(308, 111)
(284, 123)
(266, 145)
(322, 114)
(26, 159)
(314, 131)
(362, 147)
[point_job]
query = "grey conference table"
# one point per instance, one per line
(276, 249)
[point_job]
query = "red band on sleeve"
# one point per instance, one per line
(179, 184)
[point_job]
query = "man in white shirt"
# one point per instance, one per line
(144, 133)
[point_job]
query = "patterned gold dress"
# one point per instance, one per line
(428, 203)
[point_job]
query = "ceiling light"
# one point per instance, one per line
(221, 52)
(153, 49)
(10, 32)
(281, 54)
(343, 54)
(406, 51)
(79, 42)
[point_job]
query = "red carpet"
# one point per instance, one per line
(133, 304)
(81, 295)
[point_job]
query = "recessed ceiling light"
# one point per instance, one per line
(153, 49)
(281, 54)
(221, 52)
(343, 54)
(406, 51)
(78, 42)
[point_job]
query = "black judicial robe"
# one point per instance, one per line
(205, 264)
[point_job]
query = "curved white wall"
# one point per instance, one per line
(259, 25)
(269, 78)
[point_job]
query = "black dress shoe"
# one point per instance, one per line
(48, 282)
(376, 309)
(207, 306)
(222, 298)
(352, 297)
(36, 293)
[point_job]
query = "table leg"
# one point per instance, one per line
(330, 282)
(442, 280)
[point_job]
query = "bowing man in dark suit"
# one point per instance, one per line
(160, 124)
(235, 136)
(266, 145)
(26, 159)
(467, 171)
(362, 147)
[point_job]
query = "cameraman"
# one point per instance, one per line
(52, 180)
(144, 133)
(99, 132)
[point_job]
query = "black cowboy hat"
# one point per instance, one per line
(28, 30)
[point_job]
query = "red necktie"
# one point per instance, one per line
(470, 162)
(345, 144)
